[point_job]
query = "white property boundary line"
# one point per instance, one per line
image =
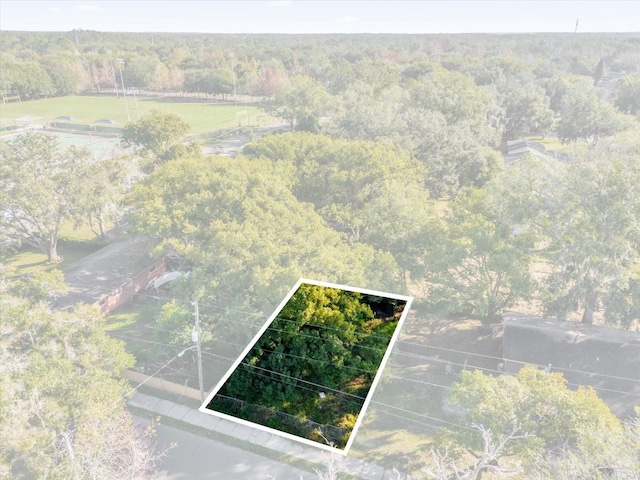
(203, 408)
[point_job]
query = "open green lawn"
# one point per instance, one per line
(74, 243)
(552, 144)
(203, 117)
(29, 260)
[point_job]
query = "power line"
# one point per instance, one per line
(372, 402)
(403, 378)
(324, 387)
(414, 355)
(470, 367)
(123, 337)
(504, 359)
(153, 375)
(251, 314)
(405, 342)
(304, 381)
(319, 361)
(315, 392)
(421, 415)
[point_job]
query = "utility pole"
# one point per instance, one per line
(113, 72)
(135, 100)
(120, 62)
(235, 95)
(576, 30)
(195, 336)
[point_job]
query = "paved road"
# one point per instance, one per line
(233, 146)
(197, 457)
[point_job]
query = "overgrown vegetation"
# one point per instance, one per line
(311, 370)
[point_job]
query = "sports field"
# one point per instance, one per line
(203, 117)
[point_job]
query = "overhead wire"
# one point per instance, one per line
(470, 367)
(372, 402)
(405, 342)
(209, 356)
(423, 357)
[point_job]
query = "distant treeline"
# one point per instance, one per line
(42, 64)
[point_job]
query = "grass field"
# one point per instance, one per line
(74, 244)
(203, 117)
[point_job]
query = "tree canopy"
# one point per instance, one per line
(586, 215)
(61, 408)
(40, 187)
(245, 234)
(301, 102)
(543, 428)
(155, 133)
(475, 259)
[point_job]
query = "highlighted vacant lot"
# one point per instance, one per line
(310, 372)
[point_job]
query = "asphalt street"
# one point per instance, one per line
(196, 457)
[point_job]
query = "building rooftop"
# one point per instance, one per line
(591, 355)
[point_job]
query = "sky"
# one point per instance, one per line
(325, 16)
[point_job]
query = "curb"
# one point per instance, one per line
(244, 436)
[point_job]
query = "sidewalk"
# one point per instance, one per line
(191, 416)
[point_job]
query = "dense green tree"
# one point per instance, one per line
(600, 71)
(38, 287)
(526, 110)
(318, 323)
(585, 217)
(300, 101)
(458, 98)
(155, 134)
(628, 94)
(213, 81)
(592, 226)
(453, 155)
(246, 236)
(558, 86)
(61, 404)
(26, 79)
(553, 431)
(40, 188)
(363, 115)
(585, 115)
(138, 71)
(68, 75)
(323, 336)
(475, 259)
(339, 76)
(378, 74)
(448, 122)
(372, 192)
(102, 186)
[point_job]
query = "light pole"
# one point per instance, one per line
(195, 336)
(113, 72)
(93, 152)
(233, 72)
(135, 100)
(120, 62)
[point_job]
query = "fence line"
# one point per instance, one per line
(124, 292)
(160, 384)
(290, 423)
(229, 98)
